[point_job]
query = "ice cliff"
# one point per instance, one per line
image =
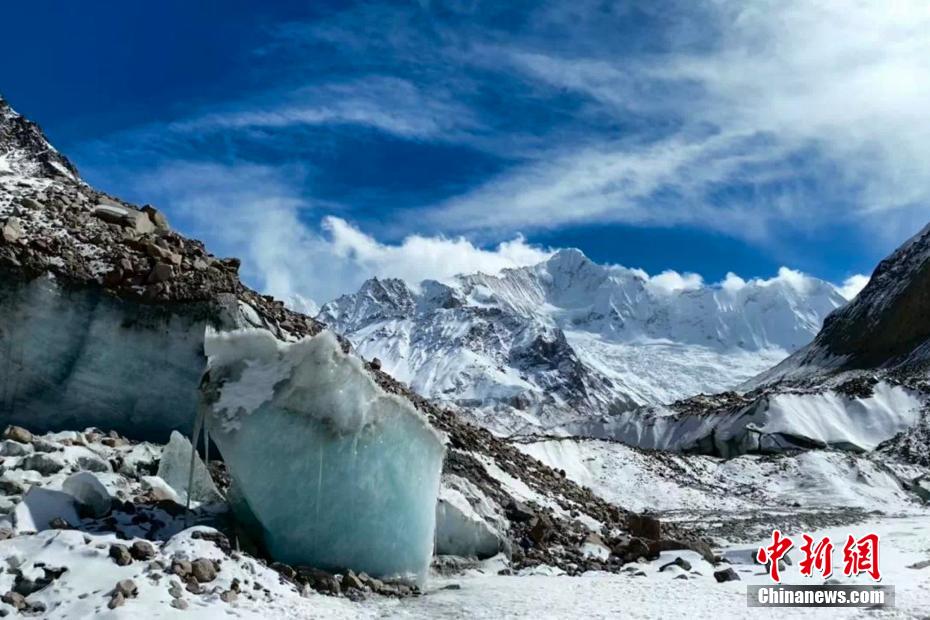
(336, 472)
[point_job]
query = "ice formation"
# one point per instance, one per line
(88, 491)
(175, 468)
(75, 357)
(773, 424)
(40, 507)
(467, 524)
(329, 468)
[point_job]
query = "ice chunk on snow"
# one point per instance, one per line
(461, 528)
(336, 472)
(175, 467)
(41, 506)
(84, 487)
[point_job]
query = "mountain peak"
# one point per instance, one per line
(25, 149)
(569, 257)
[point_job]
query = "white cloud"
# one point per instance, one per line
(388, 104)
(670, 281)
(853, 284)
(255, 212)
(784, 88)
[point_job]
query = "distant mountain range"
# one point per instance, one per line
(535, 347)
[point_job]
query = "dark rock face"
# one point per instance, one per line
(889, 317)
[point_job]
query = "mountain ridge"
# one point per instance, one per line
(535, 346)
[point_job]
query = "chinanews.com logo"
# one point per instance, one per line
(860, 556)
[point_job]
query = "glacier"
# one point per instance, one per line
(771, 423)
(72, 357)
(331, 470)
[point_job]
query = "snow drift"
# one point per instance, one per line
(332, 471)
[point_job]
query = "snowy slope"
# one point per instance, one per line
(536, 346)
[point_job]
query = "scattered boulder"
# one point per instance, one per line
(181, 568)
(116, 600)
(203, 570)
(11, 487)
(727, 574)
(12, 230)
(8, 447)
(42, 463)
(127, 587)
(142, 550)
(127, 217)
(320, 580)
(159, 490)
(15, 600)
(158, 218)
(18, 434)
(541, 529)
(350, 581)
(519, 512)
(644, 526)
(680, 562)
(120, 554)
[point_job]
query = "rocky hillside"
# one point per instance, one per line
(541, 346)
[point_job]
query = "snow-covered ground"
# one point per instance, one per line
(904, 543)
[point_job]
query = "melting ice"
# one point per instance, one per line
(330, 469)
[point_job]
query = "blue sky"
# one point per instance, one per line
(326, 142)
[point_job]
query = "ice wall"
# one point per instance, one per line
(72, 357)
(775, 423)
(334, 472)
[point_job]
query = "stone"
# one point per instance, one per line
(160, 273)
(229, 596)
(42, 463)
(127, 587)
(137, 221)
(116, 600)
(350, 581)
(157, 217)
(15, 600)
(203, 570)
(644, 526)
(30, 203)
(179, 603)
(181, 568)
(8, 447)
(58, 523)
(17, 433)
(142, 550)
(920, 565)
(120, 554)
(519, 512)
(12, 230)
(680, 562)
(11, 487)
(727, 574)
(320, 580)
(541, 529)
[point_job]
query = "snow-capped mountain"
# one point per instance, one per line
(534, 347)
